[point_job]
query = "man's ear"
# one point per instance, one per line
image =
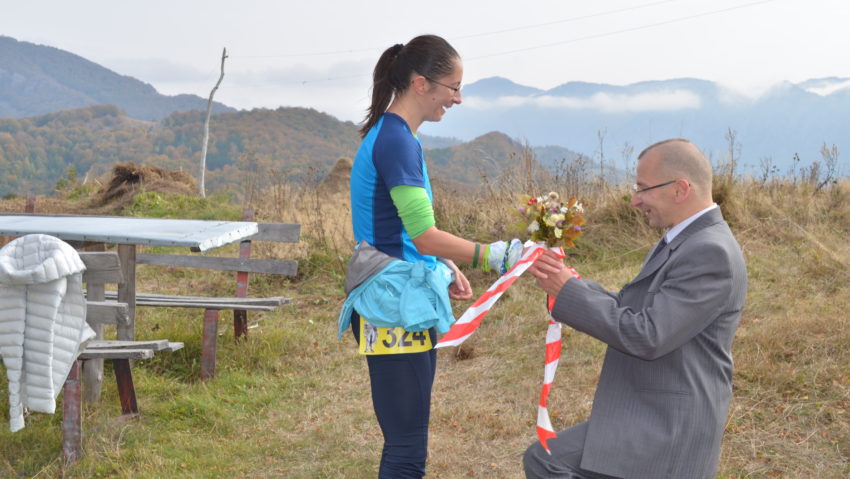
(683, 190)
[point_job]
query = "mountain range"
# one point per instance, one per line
(54, 105)
(609, 121)
(64, 112)
(37, 79)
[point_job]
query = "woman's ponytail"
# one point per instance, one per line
(382, 87)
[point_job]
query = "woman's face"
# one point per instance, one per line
(444, 92)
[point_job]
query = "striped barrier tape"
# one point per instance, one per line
(466, 325)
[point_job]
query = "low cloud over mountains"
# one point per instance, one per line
(785, 120)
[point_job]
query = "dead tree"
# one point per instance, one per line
(207, 126)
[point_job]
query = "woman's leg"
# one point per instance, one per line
(401, 395)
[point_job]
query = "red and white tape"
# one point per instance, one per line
(466, 325)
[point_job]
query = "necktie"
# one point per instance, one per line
(660, 246)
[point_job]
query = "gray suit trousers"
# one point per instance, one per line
(565, 459)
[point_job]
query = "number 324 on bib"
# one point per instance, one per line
(378, 340)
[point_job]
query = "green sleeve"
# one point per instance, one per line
(414, 208)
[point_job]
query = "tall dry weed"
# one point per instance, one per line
(325, 218)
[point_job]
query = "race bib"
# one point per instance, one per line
(378, 340)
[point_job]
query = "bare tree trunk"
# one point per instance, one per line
(207, 126)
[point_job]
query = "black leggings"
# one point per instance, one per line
(401, 396)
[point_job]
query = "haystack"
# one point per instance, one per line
(128, 179)
(338, 179)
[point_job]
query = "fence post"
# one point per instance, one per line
(240, 316)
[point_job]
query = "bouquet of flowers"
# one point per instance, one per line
(549, 220)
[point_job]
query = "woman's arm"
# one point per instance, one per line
(445, 245)
(417, 215)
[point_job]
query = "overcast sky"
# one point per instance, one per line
(320, 53)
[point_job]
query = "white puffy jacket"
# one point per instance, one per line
(42, 320)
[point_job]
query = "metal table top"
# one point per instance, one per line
(200, 235)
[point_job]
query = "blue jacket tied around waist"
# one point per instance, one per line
(389, 292)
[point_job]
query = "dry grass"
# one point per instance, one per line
(294, 401)
(792, 385)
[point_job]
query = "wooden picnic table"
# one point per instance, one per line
(128, 233)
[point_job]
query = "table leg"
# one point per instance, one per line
(210, 338)
(240, 316)
(93, 368)
(127, 290)
(126, 390)
(72, 428)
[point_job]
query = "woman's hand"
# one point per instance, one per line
(460, 288)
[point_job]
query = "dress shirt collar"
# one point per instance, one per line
(674, 231)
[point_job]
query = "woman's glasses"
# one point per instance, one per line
(455, 89)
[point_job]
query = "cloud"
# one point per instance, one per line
(156, 70)
(827, 87)
(333, 75)
(347, 104)
(604, 102)
(340, 89)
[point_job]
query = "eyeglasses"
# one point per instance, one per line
(638, 189)
(455, 89)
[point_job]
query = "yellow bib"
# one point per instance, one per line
(378, 340)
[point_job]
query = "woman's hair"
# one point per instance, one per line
(428, 55)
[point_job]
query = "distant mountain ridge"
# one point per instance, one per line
(58, 113)
(36, 80)
(600, 119)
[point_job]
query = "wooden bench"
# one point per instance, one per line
(167, 300)
(240, 304)
(102, 268)
(120, 352)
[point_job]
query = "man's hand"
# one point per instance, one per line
(460, 288)
(551, 273)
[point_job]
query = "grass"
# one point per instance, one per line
(293, 401)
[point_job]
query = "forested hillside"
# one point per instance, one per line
(36, 152)
(286, 144)
(482, 158)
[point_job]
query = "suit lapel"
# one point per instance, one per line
(708, 219)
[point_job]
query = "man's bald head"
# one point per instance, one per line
(680, 158)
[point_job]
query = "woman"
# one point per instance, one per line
(392, 211)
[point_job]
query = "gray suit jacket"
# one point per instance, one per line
(666, 383)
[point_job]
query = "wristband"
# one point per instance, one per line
(485, 259)
(475, 255)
